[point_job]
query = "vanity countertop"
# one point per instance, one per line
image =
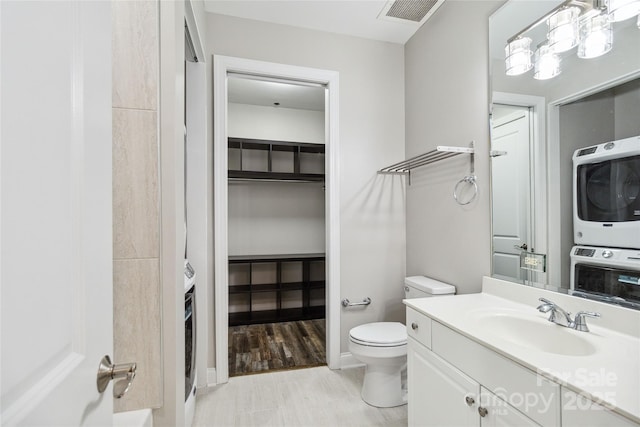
(602, 364)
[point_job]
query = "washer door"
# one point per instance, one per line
(609, 191)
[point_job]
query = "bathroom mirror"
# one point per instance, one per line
(537, 124)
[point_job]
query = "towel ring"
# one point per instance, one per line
(471, 179)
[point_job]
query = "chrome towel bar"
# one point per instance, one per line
(347, 303)
(440, 153)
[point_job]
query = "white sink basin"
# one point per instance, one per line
(533, 333)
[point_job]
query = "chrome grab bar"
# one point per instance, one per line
(347, 303)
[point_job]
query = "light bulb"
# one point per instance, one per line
(596, 37)
(518, 56)
(563, 29)
(547, 63)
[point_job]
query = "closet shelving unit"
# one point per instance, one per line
(291, 155)
(276, 288)
(297, 276)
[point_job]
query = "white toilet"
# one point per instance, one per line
(382, 347)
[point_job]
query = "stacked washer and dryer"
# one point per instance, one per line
(605, 263)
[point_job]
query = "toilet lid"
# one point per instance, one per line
(380, 333)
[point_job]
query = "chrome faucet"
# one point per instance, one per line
(560, 317)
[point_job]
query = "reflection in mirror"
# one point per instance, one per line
(510, 177)
(537, 126)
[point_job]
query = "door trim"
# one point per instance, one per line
(222, 65)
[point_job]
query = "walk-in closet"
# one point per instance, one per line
(276, 225)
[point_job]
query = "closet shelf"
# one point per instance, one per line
(267, 160)
(276, 288)
(440, 153)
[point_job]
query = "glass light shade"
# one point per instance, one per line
(563, 29)
(547, 63)
(518, 56)
(619, 10)
(596, 37)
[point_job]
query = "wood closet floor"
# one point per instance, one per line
(276, 346)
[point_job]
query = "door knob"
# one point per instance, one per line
(122, 374)
(482, 411)
(522, 247)
(469, 400)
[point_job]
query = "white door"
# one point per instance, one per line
(55, 175)
(439, 394)
(510, 176)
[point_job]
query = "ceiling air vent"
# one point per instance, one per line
(409, 11)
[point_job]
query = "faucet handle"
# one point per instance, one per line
(580, 323)
(546, 305)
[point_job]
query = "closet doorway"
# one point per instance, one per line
(276, 224)
(276, 218)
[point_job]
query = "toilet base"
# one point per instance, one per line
(383, 386)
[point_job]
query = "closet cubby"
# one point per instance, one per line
(275, 160)
(276, 288)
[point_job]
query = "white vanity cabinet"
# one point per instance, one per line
(439, 394)
(520, 369)
(454, 381)
(579, 411)
(495, 412)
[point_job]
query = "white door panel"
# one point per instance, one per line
(510, 191)
(55, 180)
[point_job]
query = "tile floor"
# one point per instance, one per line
(297, 398)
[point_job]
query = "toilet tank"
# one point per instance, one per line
(421, 286)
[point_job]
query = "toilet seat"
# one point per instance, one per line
(379, 334)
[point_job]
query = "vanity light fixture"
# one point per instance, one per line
(582, 23)
(518, 56)
(619, 10)
(563, 29)
(596, 37)
(547, 63)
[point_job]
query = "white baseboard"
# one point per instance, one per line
(347, 361)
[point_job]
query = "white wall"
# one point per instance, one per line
(276, 218)
(371, 137)
(447, 104)
(279, 124)
(627, 106)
